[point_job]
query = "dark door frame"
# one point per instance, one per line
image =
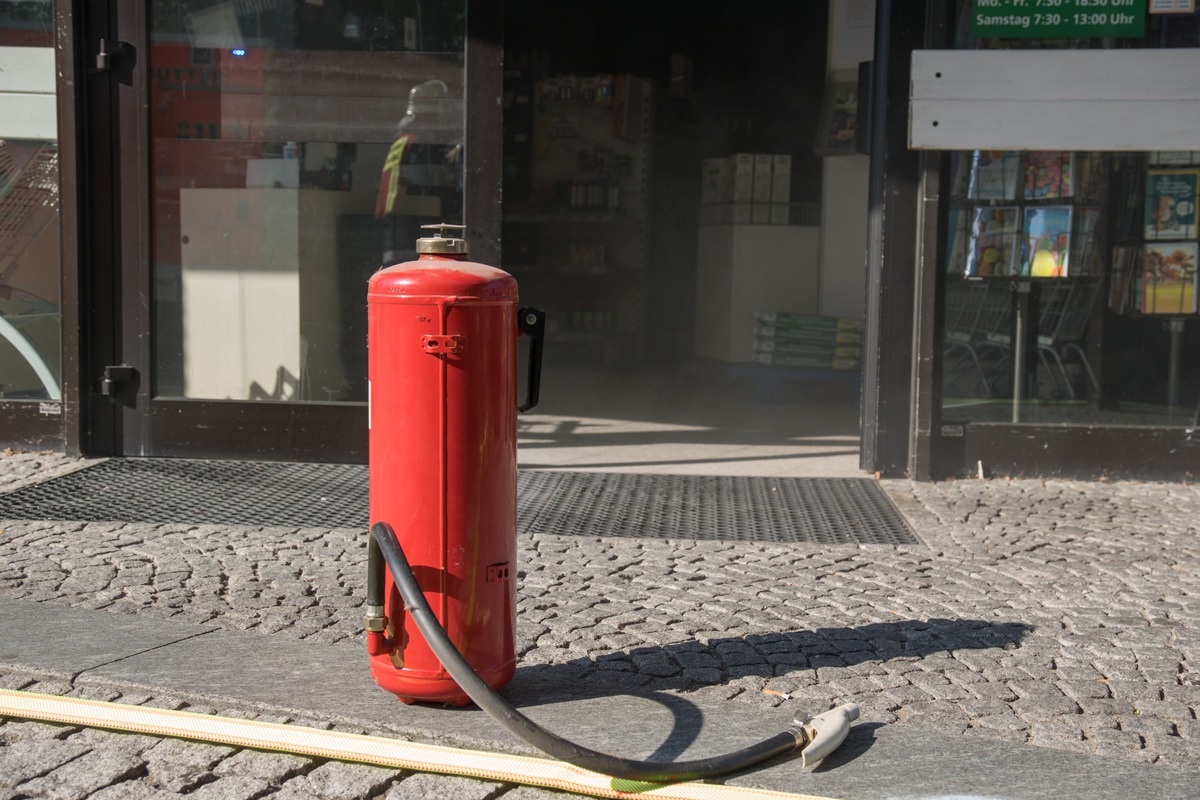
(893, 218)
(107, 276)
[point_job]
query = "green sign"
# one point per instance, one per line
(1057, 19)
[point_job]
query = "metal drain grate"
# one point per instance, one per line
(817, 510)
(216, 492)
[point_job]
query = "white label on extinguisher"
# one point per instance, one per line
(368, 404)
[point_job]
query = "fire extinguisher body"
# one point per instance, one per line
(442, 361)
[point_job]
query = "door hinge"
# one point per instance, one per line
(110, 49)
(114, 376)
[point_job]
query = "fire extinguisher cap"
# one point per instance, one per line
(441, 243)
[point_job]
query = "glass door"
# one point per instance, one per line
(290, 150)
(30, 302)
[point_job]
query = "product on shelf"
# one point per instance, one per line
(994, 242)
(1047, 241)
(1167, 284)
(1171, 204)
(994, 174)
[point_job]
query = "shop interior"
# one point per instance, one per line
(655, 285)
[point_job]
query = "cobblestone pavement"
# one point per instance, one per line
(1061, 614)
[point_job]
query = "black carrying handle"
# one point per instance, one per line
(532, 322)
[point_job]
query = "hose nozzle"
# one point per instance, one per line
(825, 732)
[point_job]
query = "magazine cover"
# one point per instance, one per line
(1047, 174)
(995, 242)
(1168, 280)
(994, 175)
(1046, 242)
(1171, 210)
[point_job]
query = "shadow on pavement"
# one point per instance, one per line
(782, 654)
(693, 665)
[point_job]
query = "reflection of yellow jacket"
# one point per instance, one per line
(389, 179)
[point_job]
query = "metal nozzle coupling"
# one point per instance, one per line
(374, 621)
(824, 732)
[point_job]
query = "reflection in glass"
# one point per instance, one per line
(297, 148)
(30, 347)
(26, 23)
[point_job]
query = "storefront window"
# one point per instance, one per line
(297, 147)
(30, 351)
(1070, 278)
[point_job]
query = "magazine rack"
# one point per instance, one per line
(1030, 222)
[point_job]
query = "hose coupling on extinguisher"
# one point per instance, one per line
(375, 626)
(373, 620)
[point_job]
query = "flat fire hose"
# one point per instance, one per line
(374, 750)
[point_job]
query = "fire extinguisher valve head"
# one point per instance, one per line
(441, 243)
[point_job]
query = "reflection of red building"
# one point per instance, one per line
(190, 95)
(26, 33)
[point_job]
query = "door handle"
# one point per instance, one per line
(110, 49)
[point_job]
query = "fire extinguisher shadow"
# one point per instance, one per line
(692, 664)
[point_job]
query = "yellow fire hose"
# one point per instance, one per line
(375, 750)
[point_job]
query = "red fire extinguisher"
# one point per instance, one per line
(441, 595)
(442, 375)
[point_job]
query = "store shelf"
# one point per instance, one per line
(577, 237)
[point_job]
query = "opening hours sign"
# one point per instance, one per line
(1057, 19)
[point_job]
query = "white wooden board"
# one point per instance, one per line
(1055, 100)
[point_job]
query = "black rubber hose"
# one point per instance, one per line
(374, 575)
(518, 724)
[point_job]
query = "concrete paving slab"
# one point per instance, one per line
(890, 762)
(311, 681)
(256, 670)
(62, 641)
(332, 682)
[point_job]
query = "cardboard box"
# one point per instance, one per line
(716, 181)
(789, 319)
(726, 214)
(743, 178)
(781, 178)
(763, 167)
